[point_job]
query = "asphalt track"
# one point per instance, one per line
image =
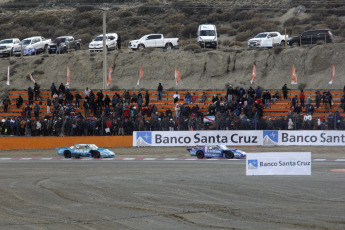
(166, 194)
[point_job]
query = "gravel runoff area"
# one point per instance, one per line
(167, 194)
(181, 152)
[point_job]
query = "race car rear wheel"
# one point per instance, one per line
(200, 154)
(229, 155)
(67, 154)
(96, 154)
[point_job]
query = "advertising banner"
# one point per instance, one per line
(28, 51)
(240, 138)
(278, 163)
(193, 138)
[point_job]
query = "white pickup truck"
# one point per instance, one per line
(154, 40)
(7, 45)
(268, 39)
(32, 45)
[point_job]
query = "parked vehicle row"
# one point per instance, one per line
(207, 37)
(270, 39)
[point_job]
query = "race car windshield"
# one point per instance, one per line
(6, 41)
(93, 146)
(261, 36)
(207, 33)
(223, 147)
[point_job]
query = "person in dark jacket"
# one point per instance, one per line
(118, 41)
(285, 91)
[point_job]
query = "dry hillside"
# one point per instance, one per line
(205, 69)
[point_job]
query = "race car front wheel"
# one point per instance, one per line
(96, 154)
(200, 154)
(229, 155)
(67, 154)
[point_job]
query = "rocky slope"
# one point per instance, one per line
(208, 69)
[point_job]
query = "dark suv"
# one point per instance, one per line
(311, 37)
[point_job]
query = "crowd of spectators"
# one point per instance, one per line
(238, 109)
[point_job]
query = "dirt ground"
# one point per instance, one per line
(324, 152)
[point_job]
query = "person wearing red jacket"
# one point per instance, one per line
(301, 98)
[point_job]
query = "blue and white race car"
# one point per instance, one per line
(220, 151)
(84, 150)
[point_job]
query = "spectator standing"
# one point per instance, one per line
(147, 98)
(308, 101)
(49, 104)
(30, 95)
(86, 108)
(317, 99)
(301, 98)
(52, 89)
(19, 101)
(87, 94)
(258, 92)
(160, 91)
(37, 111)
(118, 41)
(6, 102)
(62, 88)
(37, 91)
(77, 99)
(58, 46)
(285, 91)
(267, 97)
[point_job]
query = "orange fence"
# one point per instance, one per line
(52, 142)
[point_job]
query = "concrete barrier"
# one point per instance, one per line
(52, 142)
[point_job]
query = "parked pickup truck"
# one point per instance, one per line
(66, 43)
(32, 45)
(267, 39)
(154, 40)
(7, 45)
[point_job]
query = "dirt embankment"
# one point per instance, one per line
(206, 69)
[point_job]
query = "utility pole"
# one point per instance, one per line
(105, 9)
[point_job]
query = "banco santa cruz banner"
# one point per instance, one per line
(239, 138)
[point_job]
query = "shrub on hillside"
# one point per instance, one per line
(278, 49)
(149, 10)
(84, 8)
(192, 47)
(237, 43)
(250, 24)
(226, 42)
(243, 15)
(232, 32)
(84, 23)
(45, 19)
(222, 30)
(114, 24)
(85, 38)
(291, 22)
(302, 86)
(176, 18)
(235, 25)
(241, 37)
(190, 30)
(173, 30)
(126, 13)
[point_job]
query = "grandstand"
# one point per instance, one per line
(275, 110)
